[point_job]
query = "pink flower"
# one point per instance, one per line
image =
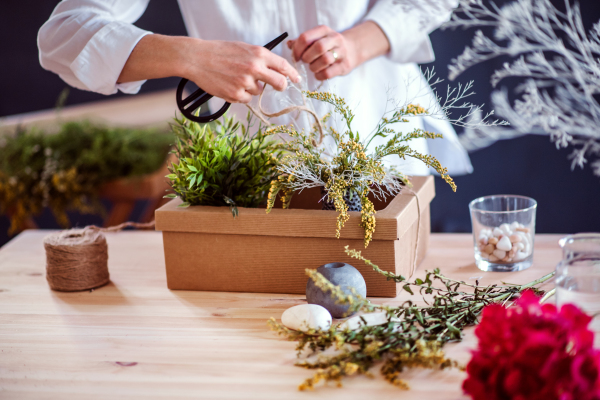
(532, 351)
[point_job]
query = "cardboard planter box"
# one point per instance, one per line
(207, 249)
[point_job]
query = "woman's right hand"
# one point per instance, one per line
(229, 70)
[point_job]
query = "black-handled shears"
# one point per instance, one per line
(200, 97)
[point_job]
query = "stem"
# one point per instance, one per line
(538, 281)
(548, 295)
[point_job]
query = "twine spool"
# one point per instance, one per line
(77, 259)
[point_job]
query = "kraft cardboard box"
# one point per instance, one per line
(207, 249)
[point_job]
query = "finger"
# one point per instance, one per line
(273, 78)
(320, 47)
(322, 62)
(307, 38)
(279, 64)
(335, 70)
(255, 89)
(241, 96)
(290, 44)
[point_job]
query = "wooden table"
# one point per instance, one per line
(134, 338)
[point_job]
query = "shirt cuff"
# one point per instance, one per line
(409, 42)
(101, 61)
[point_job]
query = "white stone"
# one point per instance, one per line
(504, 244)
(306, 316)
(356, 322)
(499, 253)
(514, 225)
(525, 238)
(497, 232)
(519, 246)
(505, 228)
(486, 232)
(520, 255)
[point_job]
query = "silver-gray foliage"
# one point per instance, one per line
(558, 61)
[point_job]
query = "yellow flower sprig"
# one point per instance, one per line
(351, 169)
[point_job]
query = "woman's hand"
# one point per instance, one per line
(232, 71)
(330, 53)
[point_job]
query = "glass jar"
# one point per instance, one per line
(578, 274)
(503, 232)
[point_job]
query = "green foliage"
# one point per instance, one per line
(221, 164)
(64, 170)
(413, 335)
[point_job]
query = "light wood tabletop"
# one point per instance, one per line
(134, 338)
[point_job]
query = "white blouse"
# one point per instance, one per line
(87, 42)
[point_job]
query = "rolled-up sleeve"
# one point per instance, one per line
(407, 25)
(87, 43)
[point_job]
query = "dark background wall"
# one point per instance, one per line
(569, 201)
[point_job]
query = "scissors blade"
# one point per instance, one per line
(271, 45)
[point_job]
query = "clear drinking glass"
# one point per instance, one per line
(580, 244)
(503, 232)
(578, 274)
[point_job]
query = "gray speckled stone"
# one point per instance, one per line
(341, 274)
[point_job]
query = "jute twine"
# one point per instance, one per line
(263, 115)
(77, 259)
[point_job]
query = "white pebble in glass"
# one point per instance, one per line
(503, 232)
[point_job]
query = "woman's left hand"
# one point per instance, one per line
(330, 53)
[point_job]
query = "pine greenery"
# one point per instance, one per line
(64, 170)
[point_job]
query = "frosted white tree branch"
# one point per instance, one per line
(443, 108)
(558, 62)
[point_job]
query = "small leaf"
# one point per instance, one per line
(192, 181)
(419, 281)
(419, 316)
(454, 330)
(185, 204)
(407, 288)
(192, 168)
(235, 165)
(169, 196)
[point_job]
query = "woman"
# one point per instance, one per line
(361, 47)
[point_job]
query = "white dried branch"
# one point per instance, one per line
(442, 108)
(310, 176)
(557, 59)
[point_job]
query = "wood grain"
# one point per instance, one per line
(136, 339)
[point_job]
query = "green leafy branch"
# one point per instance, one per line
(412, 336)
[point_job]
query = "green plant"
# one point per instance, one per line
(64, 170)
(351, 169)
(219, 165)
(412, 336)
